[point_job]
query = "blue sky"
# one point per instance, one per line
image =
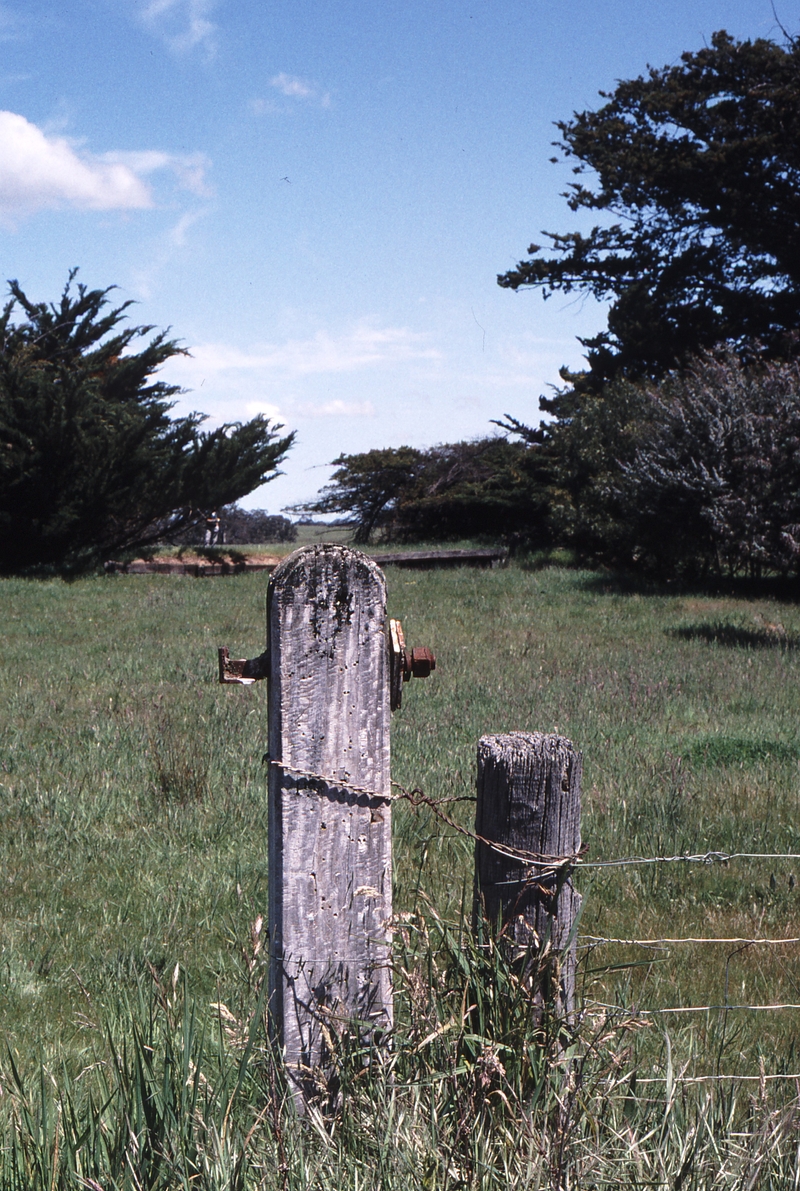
(317, 197)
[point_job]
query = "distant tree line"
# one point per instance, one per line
(483, 488)
(696, 474)
(239, 527)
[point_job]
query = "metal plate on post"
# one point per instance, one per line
(397, 663)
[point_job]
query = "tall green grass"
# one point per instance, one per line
(475, 1088)
(133, 839)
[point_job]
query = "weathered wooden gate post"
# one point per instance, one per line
(335, 670)
(529, 807)
(330, 842)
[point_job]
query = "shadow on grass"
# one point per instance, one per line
(736, 636)
(608, 582)
(738, 750)
(540, 560)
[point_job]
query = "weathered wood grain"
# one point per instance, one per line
(330, 879)
(529, 800)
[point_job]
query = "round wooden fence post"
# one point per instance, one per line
(529, 803)
(330, 864)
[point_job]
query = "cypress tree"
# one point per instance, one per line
(91, 462)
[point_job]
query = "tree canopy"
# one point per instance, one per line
(483, 488)
(486, 487)
(90, 460)
(696, 168)
(366, 486)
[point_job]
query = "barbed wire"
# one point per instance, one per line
(693, 1008)
(687, 858)
(715, 1078)
(418, 797)
(546, 865)
(597, 940)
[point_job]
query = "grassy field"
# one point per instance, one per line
(133, 808)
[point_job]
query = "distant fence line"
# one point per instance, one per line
(212, 567)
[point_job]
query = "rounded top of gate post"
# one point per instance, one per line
(326, 554)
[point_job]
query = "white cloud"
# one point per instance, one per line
(363, 347)
(177, 235)
(263, 107)
(189, 168)
(184, 25)
(266, 408)
(46, 171)
(292, 87)
(38, 170)
(324, 381)
(337, 409)
(171, 241)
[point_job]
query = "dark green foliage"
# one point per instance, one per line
(579, 456)
(699, 167)
(486, 488)
(255, 526)
(714, 484)
(696, 174)
(90, 461)
(696, 475)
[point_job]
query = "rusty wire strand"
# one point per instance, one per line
(715, 1078)
(599, 940)
(546, 865)
(633, 1013)
(549, 865)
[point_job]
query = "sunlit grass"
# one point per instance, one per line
(133, 798)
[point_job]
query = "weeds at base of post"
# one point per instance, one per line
(477, 1087)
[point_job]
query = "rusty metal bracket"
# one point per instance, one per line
(405, 663)
(242, 671)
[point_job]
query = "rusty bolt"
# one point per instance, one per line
(422, 661)
(405, 663)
